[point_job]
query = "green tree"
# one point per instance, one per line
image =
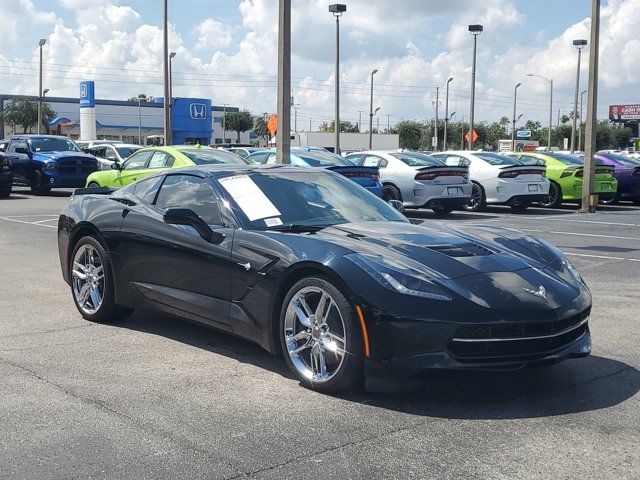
(22, 112)
(411, 133)
(142, 97)
(239, 122)
(260, 127)
(345, 127)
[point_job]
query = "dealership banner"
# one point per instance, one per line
(623, 113)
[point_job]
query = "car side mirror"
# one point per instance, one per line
(116, 166)
(22, 149)
(397, 204)
(186, 216)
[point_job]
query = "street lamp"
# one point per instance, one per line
(446, 114)
(140, 120)
(513, 129)
(580, 44)
(165, 56)
(375, 113)
(371, 112)
(474, 30)
(550, 80)
(171, 55)
(41, 43)
(337, 10)
(581, 122)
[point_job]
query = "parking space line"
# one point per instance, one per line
(46, 220)
(28, 223)
(615, 237)
(604, 257)
(38, 215)
(582, 221)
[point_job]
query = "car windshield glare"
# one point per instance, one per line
(566, 159)
(211, 157)
(51, 144)
(496, 159)
(417, 159)
(318, 158)
(527, 160)
(274, 198)
(621, 159)
(126, 152)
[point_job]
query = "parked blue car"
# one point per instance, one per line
(43, 162)
(368, 177)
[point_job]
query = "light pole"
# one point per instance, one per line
(446, 114)
(377, 119)
(371, 112)
(590, 201)
(360, 112)
(464, 117)
(581, 122)
(41, 43)
(580, 44)
(388, 122)
(513, 129)
(337, 9)
(44, 93)
(283, 136)
(550, 80)
(140, 120)
(224, 123)
(474, 30)
(171, 55)
(436, 106)
(165, 56)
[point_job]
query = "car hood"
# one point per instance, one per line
(60, 155)
(493, 267)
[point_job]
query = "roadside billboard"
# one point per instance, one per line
(624, 113)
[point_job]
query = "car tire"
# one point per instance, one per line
(442, 210)
(6, 193)
(343, 372)
(391, 192)
(478, 199)
(93, 185)
(93, 295)
(554, 200)
(37, 188)
(636, 201)
(520, 206)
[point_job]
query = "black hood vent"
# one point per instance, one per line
(464, 250)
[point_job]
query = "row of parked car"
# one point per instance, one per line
(443, 181)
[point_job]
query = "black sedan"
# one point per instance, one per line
(305, 262)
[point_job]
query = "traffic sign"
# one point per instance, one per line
(272, 124)
(475, 136)
(523, 133)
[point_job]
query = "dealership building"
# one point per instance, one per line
(193, 120)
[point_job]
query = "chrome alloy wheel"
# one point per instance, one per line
(88, 279)
(315, 334)
(476, 198)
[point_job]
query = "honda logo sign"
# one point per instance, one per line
(198, 111)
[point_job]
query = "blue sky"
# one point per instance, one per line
(226, 51)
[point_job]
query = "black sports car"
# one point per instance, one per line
(305, 262)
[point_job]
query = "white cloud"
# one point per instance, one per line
(213, 34)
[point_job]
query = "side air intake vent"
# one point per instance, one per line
(465, 250)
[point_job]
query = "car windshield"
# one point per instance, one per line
(53, 144)
(496, 159)
(527, 160)
(319, 158)
(621, 159)
(276, 198)
(209, 157)
(126, 152)
(566, 159)
(417, 159)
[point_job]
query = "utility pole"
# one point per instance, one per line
(580, 44)
(360, 112)
(590, 201)
(41, 44)
(513, 129)
(310, 124)
(475, 30)
(171, 55)
(581, 122)
(165, 56)
(437, 106)
(388, 122)
(462, 133)
(224, 123)
(337, 10)
(371, 112)
(140, 120)
(283, 137)
(446, 115)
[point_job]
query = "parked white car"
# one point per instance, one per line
(500, 179)
(418, 180)
(109, 153)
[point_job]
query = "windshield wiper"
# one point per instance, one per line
(297, 228)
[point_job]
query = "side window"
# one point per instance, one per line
(160, 160)
(354, 158)
(99, 152)
(456, 161)
(138, 160)
(188, 191)
(146, 189)
(12, 146)
(373, 161)
(258, 157)
(271, 159)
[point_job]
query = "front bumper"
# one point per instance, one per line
(6, 180)
(56, 179)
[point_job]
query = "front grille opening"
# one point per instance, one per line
(465, 250)
(516, 341)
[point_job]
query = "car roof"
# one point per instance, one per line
(37, 135)
(236, 168)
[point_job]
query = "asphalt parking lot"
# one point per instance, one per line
(154, 397)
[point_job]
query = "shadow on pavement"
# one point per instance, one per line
(574, 386)
(429, 215)
(607, 249)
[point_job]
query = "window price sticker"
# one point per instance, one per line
(253, 202)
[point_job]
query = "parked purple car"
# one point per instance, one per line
(627, 171)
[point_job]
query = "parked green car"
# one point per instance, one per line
(565, 174)
(148, 161)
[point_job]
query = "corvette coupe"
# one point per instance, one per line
(306, 263)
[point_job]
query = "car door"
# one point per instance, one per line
(20, 161)
(131, 169)
(172, 265)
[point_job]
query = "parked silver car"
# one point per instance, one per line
(109, 153)
(418, 180)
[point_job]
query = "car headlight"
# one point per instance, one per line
(50, 166)
(398, 278)
(565, 262)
